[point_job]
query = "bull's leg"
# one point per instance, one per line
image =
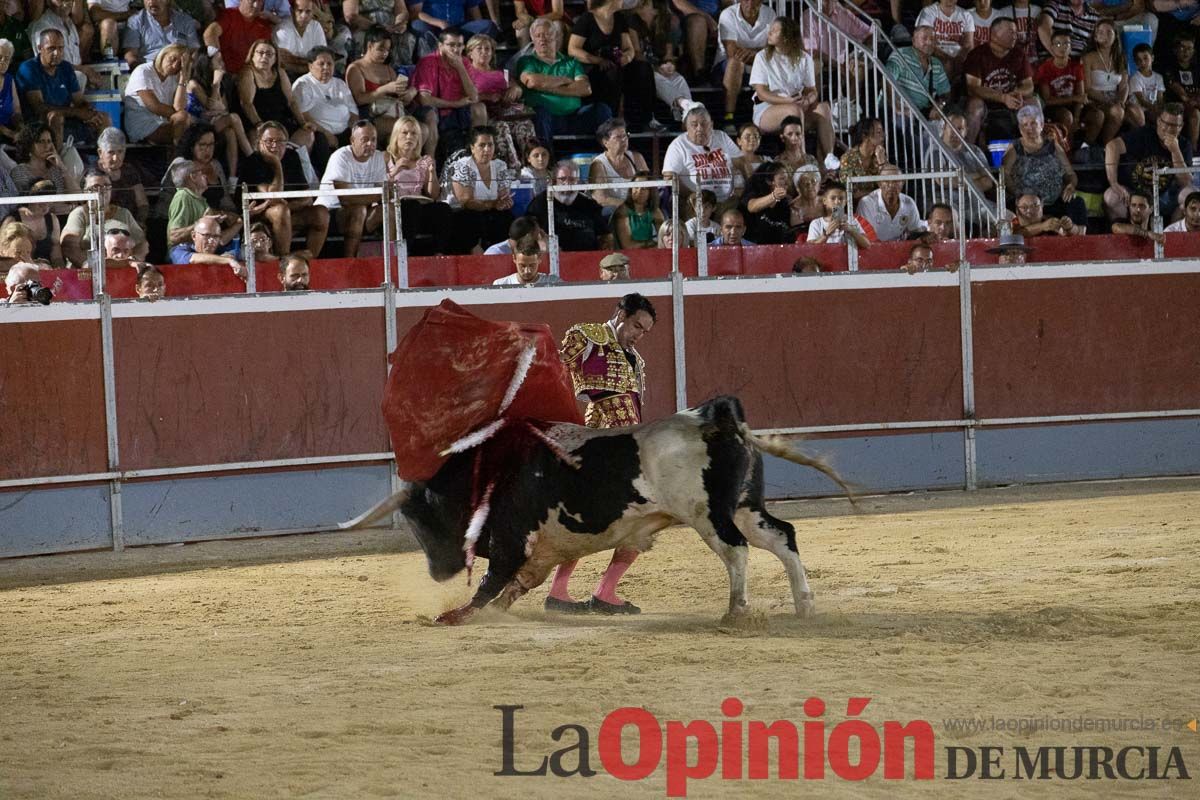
(531, 576)
(779, 537)
(507, 557)
(729, 544)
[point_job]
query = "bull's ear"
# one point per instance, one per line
(378, 511)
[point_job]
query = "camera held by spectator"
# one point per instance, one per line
(24, 287)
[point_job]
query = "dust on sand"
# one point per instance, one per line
(307, 667)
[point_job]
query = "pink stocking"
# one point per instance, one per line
(558, 588)
(607, 590)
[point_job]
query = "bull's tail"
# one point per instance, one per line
(378, 511)
(785, 449)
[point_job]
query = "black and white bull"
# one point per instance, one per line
(701, 467)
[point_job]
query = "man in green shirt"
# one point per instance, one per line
(188, 206)
(554, 86)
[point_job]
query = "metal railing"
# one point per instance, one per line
(555, 189)
(1157, 221)
(382, 192)
(921, 178)
(856, 85)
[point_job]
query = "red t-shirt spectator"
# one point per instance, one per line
(237, 34)
(1062, 81)
(998, 74)
(437, 78)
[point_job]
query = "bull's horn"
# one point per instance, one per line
(378, 511)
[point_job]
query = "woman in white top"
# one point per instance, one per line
(1107, 84)
(616, 163)
(325, 100)
(156, 97)
(479, 192)
(785, 84)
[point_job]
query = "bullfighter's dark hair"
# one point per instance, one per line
(634, 302)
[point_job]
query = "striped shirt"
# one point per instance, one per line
(1079, 25)
(905, 66)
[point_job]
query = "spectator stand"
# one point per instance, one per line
(856, 85)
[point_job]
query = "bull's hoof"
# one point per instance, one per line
(599, 606)
(567, 606)
(455, 616)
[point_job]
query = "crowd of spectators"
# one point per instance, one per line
(471, 111)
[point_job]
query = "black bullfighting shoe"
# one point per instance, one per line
(603, 607)
(567, 606)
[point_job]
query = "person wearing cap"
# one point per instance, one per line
(1011, 248)
(77, 239)
(614, 267)
(527, 258)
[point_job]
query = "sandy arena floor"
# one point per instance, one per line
(307, 667)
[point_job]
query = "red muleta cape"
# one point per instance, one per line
(450, 376)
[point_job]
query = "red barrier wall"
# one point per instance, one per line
(52, 400)
(1087, 345)
(829, 357)
(230, 387)
(223, 388)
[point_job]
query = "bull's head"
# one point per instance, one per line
(440, 526)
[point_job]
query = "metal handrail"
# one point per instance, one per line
(883, 95)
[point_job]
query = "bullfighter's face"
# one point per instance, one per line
(631, 328)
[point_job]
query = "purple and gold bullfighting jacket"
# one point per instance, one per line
(611, 378)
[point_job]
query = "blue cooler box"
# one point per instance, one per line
(109, 103)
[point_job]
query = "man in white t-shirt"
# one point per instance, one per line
(1191, 216)
(325, 100)
(741, 33)
(296, 36)
(356, 166)
(889, 211)
(953, 33)
(701, 157)
(982, 15)
(110, 16)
